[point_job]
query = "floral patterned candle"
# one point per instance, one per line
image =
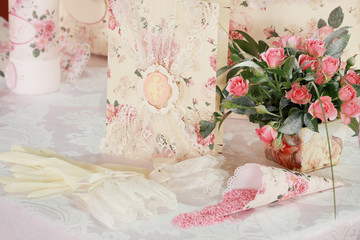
(34, 63)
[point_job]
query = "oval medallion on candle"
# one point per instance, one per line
(157, 90)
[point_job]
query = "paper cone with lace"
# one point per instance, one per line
(162, 77)
(254, 185)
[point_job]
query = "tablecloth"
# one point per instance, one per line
(71, 121)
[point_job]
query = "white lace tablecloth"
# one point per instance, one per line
(71, 121)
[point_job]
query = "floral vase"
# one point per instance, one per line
(308, 151)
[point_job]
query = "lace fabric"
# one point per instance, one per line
(161, 46)
(195, 181)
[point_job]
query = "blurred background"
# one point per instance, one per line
(4, 9)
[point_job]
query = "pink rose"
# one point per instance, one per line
(306, 61)
(238, 86)
(350, 110)
(320, 78)
(347, 93)
(329, 109)
(315, 47)
(351, 77)
(266, 134)
(110, 112)
(213, 62)
(290, 41)
(47, 29)
(298, 94)
(274, 57)
(210, 84)
(342, 65)
(270, 32)
(329, 66)
(41, 43)
(325, 31)
(239, 21)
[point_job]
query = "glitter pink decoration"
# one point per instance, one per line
(233, 201)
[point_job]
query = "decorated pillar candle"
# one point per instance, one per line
(86, 21)
(34, 63)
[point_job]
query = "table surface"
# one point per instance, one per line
(71, 121)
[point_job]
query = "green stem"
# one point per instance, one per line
(277, 85)
(329, 147)
(271, 83)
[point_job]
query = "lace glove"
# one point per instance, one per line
(112, 197)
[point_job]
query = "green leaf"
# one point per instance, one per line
(336, 34)
(218, 90)
(292, 124)
(43, 17)
(206, 128)
(2, 74)
(336, 17)
(284, 102)
(223, 69)
(34, 14)
(331, 89)
(277, 71)
(116, 103)
(36, 52)
(236, 50)
(335, 50)
(263, 46)
(289, 65)
(207, 104)
(350, 62)
(247, 64)
(321, 23)
(240, 105)
(285, 85)
(311, 122)
(232, 73)
(32, 45)
(246, 47)
(357, 88)
(107, 101)
(354, 125)
(250, 40)
(257, 79)
(235, 58)
(138, 73)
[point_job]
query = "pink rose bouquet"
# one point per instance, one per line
(297, 84)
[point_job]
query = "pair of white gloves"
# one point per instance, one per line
(114, 193)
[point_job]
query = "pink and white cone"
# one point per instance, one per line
(254, 185)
